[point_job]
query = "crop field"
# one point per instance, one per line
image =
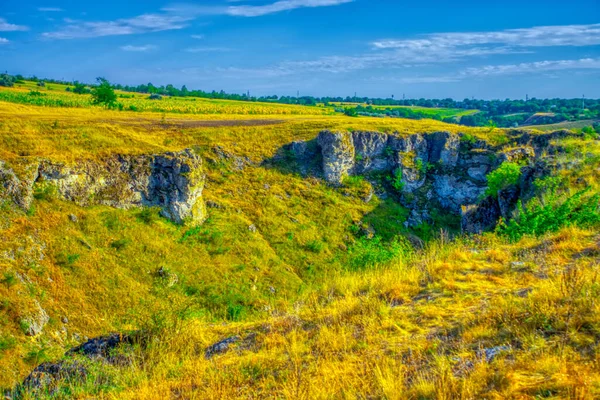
(70, 126)
(56, 96)
(440, 113)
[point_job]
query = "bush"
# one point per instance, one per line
(351, 112)
(104, 94)
(506, 175)
(7, 80)
(80, 88)
(155, 96)
(468, 139)
(315, 246)
(580, 210)
(371, 253)
(396, 180)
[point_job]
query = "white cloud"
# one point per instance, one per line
(207, 50)
(6, 27)
(540, 36)
(140, 49)
(50, 9)
(446, 48)
(4, 41)
(175, 17)
(537, 67)
(197, 37)
(250, 10)
(279, 6)
(140, 24)
(532, 67)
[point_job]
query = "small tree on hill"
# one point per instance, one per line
(7, 80)
(80, 88)
(104, 94)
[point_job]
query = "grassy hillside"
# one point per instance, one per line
(425, 112)
(328, 313)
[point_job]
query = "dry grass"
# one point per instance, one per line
(415, 327)
(74, 133)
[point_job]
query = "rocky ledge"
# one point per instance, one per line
(172, 181)
(433, 171)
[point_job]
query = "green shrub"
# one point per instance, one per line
(43, 191)
(148, 216)
(351, 112)
(580, 209)
(119, 244)
(468, 139)
(371, 253)
(7, 343)
(9, 278)
(589, 132)
(67, 260)
(396, 180)
(316, 246)
(506, 175)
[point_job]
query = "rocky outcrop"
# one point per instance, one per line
(18, 188)
(432, 171)
(33, 323)
(47, 377)
(338, 155)
(431, 167)
(173, 182)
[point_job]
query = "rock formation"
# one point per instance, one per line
(173, 182)
(433, 171)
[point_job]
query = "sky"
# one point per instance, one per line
(378, 48)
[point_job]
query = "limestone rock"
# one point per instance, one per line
(518, 154)
(443, 148)
(480, 218)
(35, 321)
(18, 187)
(370, 150)
(338, 155)
(452, 192)
(173, 182)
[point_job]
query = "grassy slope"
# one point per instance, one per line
(406, 329)
(432, 112)
(412, 329)
(566, 125)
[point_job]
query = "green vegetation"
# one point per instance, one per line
(104, 94)
(580, 209)
(506, 175)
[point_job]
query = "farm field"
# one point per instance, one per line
(55, 95)
(437, 113)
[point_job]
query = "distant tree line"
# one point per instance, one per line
(501, 113)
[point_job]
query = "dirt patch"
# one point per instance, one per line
(190, 124)
(217, 123)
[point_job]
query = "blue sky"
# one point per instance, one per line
(482, 49)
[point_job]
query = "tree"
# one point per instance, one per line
(80, 88)
(104, 94)
(7, 80)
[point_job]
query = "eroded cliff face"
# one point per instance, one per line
(173, 182)
(434, 171)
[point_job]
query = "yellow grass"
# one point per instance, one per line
(413, 328)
